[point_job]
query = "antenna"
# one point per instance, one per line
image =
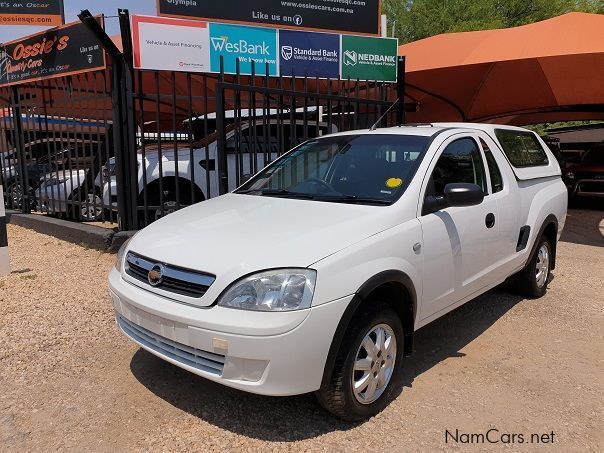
(374, 127)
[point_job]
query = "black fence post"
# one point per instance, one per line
(221, 155)
(20, 147)
(123, 136)
(400, 91)
(130, 156)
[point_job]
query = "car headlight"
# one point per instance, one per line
(274, 290)
(121, 255)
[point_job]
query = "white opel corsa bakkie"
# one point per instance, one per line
(314, 275)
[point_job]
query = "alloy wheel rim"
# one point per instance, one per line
(542, 267)
(91, 209)
(374, 364)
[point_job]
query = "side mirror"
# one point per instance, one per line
(245, 178)
(463, 194)
(455, 194)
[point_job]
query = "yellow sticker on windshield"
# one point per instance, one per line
(393, 183)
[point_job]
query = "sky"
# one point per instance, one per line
(73, 7)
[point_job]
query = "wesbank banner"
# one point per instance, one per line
(368, 58)
(170, 44)
(309, 54)
(246, 43)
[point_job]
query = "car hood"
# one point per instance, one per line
(234, 234)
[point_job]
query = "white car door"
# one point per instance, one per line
(460, 244)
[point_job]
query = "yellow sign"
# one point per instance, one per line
(393, 183)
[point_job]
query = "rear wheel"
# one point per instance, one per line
(532, 280)
(367, 372)
(14, 194)
(86, 207)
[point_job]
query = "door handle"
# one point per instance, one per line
(490, 220)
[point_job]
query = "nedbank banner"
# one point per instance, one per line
(366, 58)
(196, 46)
(58, 52)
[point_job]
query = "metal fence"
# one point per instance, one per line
(55, 135)
(130, 146)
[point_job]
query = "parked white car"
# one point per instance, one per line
(314, 275)
(177, 167)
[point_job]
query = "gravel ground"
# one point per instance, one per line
(70, 381)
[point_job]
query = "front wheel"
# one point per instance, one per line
(532, 280)
(367, 371)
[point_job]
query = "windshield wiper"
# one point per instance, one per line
(278, 193)
(352, 199)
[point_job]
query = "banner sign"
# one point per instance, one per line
(48, 13)
(58, 52)
(246, 43)
(367, 58)
(350, 16)
(170, 44)
(309, 54)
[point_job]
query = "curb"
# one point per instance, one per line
(76, 233)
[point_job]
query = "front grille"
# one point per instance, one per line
(196, 358)
(174, 279)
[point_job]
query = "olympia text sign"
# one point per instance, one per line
(197, 46)
(352, 16)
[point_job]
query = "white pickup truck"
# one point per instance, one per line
(314, 274)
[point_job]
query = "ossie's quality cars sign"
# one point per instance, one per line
(67, 50)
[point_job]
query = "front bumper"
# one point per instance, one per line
(265, 353)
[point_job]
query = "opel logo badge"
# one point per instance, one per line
(156, 275)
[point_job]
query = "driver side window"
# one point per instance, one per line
(459, 162)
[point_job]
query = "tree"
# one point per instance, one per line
(418, 19)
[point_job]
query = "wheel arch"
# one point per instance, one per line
(152, 187)
(399, 292)
(549, 229)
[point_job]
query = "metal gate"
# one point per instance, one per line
(130, 146)
(52, 147)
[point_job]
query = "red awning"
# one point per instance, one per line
(547, 71)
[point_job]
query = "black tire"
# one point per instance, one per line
(14, 196)
(526, 281)
(338, 396)
(91, 203)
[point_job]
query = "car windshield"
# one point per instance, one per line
(364, 169)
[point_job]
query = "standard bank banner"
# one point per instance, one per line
(309, 54)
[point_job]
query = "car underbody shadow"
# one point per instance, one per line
(286, 419)
(448, 335)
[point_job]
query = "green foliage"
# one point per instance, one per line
(417, 19)
(543, 127)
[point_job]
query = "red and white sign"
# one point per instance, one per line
(170, 44)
